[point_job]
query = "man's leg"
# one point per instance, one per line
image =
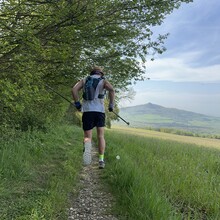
(87, 136)
(101, 146)
(87, 156)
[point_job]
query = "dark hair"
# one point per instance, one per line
(96, 72)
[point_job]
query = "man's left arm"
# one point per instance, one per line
(110, 88)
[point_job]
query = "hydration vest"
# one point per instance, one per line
(90, 87)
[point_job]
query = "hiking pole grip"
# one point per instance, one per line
(121, 118)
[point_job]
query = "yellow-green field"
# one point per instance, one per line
(206, 142)
(163, 176)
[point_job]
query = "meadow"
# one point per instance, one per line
(158, 175)
(157, 178)
(38, 172)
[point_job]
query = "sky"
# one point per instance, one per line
(187, 75)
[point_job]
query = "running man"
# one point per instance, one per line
(93, 110)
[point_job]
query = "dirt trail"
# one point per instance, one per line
(93, 201)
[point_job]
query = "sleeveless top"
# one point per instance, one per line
(97, 104)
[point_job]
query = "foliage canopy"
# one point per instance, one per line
(56, 41)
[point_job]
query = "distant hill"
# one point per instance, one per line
(156, 116)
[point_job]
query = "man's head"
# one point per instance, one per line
(97, 70)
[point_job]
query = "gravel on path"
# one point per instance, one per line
(93, 202)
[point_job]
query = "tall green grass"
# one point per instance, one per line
(154, 178)
(38, 171)
(160, 179)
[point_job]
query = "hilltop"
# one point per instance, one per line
(156, 116)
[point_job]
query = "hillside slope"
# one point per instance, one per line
(156, 116)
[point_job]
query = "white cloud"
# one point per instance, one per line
(187, 75)
(177, 70)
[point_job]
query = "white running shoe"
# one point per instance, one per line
(87, 156)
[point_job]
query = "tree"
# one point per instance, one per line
(55, 42)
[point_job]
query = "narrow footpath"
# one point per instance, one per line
(93, 201)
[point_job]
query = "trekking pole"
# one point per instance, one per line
(121, 118)
(58, 94)
(71, 103)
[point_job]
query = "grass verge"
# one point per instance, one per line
(38, 172)
(161, 179)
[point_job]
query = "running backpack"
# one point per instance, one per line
(90, 86)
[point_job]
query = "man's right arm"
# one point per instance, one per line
(75, 93)
(75, 90)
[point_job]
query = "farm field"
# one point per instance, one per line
(155, 116)
(207, 142)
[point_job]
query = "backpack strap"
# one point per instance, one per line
(102, 95)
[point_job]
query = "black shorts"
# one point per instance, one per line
(93, 119)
